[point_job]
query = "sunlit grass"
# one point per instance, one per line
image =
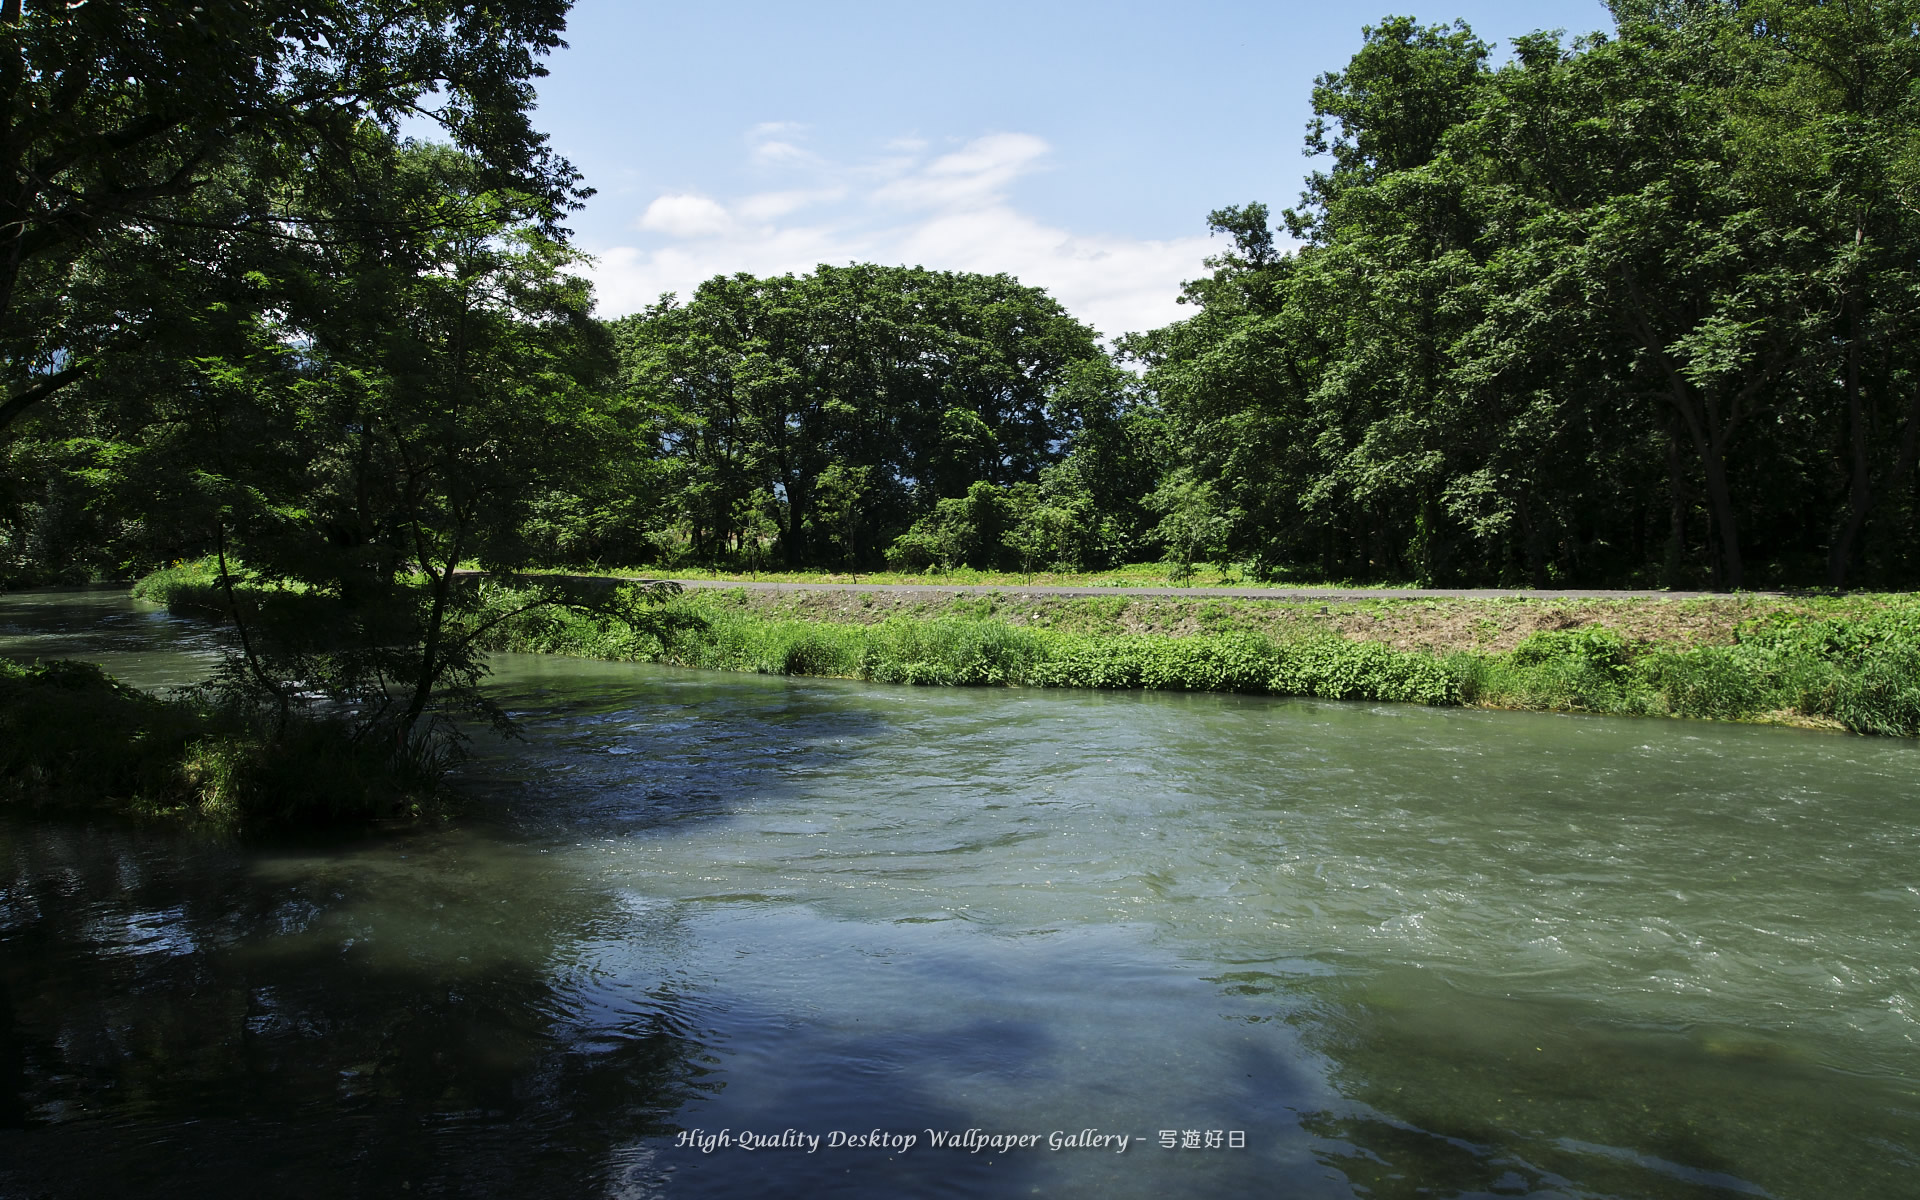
(1862, 674)
(1849, 661)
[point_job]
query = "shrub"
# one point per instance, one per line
(1591, 645)
(1883, 696)
(70, 735)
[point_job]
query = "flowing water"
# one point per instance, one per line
(1368, 950)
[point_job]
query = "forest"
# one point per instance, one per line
(1624, 309)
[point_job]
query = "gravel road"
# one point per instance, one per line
(1242, 593)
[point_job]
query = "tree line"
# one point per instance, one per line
(1634, 308)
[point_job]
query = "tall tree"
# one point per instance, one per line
(1829, 126)
(850, 399)
(363, 420)
(110, 112)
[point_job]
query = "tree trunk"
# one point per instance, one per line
(1677, 517)
(793, 536)
(430, 645)
(1711, 432)
(1730, 577)
(1709, 437)
(1860, 490)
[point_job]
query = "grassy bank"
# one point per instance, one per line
(1849, 662)
(1844, 663)
(73, 738)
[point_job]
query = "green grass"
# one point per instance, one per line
(194, 589)
(962, 651)
(1860, 673)
(73, 738)
(1849, 662)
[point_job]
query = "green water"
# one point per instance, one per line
(1402, 951)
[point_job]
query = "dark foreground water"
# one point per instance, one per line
(1367, 950)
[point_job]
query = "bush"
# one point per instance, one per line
(949, 651)
(72, 736)
(1592, 645)
(1883, 696)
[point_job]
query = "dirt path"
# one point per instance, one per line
(1297, 595)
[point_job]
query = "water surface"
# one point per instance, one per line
(1399, 951)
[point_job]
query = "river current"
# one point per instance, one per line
(709, 935)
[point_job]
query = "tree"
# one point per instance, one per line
(1042, 533)
(1830, 135)
(1312, 389)
(1192, 528)
(114, 113)
(1535, 314)
(375, 418)
(856, 397)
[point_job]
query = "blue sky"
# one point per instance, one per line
(1078, 146)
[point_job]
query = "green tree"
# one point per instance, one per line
(922, 382)
(1192, 527)
(1828, 129)
(1536, 316)
(113, 113)
(378, 416)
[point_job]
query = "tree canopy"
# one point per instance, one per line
(1634, 308)
(838, 407)
(118, 116)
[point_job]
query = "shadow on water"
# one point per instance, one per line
(452, 1012)
(208, 1022)
(610, 749)
(139, 643)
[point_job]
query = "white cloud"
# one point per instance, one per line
(781, 154)
(686, 216)
(951, 212)
(766, 206)
(975, 175)
(777, 144)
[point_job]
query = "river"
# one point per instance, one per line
(695, 920)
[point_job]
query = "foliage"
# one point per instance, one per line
(1629, 309)
(339, 460)
(242, 318)
(1192, 527)
(73, 737)
(119, 116)
(842, 406)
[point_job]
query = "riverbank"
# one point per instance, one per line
(1831, 662)
(74, 739)
(1849, 663)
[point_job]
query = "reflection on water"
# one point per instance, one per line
(193, 1020)
(1404, 952)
